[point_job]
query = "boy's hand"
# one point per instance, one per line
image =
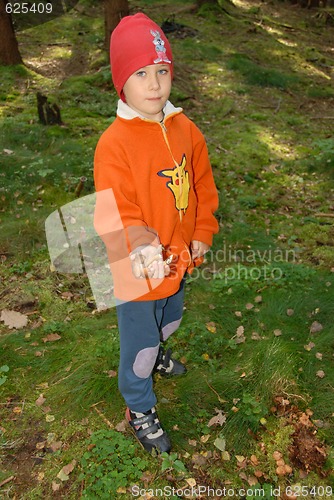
(147, 262)
(198, 249)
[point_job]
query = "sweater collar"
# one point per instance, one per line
(124, 111)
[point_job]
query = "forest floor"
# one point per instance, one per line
(254, 415)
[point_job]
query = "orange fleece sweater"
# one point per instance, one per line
(153, 180)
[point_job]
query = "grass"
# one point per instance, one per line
(246, 336)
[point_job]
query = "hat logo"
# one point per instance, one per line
(159, 48)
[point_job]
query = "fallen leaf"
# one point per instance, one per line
(218, 419)
(238, 314)
(240, 458)
(316, 327)
(40, 445)
(41, 400)
(320, 374)
(122, 426)
(191, 481)
(56, 445)
(226, 456)
(290, 312)
(258, 299)
(220, 443)
(50, 418)
(62, 476)
(318, 355)
(55, 486)
(258, 473)
(112, 373)
(67, 469)
(198, 459)
(280, 471)
(17, 410)
(192, 442)
(252, 480)
(309, 346)
(255, 336)
(254, 460)
(40, 476)
(249, 306)
(52, 337)
(205, 438)
(211, 326)
(277, 332)
(14, 319)
(240, 330)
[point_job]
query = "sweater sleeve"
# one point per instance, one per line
(206, 192)
(112, 173)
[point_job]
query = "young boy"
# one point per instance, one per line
(153, 165)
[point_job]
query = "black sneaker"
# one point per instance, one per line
(148, 430)
(166, 365)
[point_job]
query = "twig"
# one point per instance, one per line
(68, 376)
(221, 400)
(323, 215)
(104, 418)
(5, 481)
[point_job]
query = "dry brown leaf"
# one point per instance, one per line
(249, 306)
(40, 400)
(238, 314)
(14, 319)
(320, 373)
(67, 469)
(112, 373)
(192, 442)
(255, 336)
(254, 460)
(55, 486)
(211, 326)
(258, 299)
(52, 337)
(240, 331)
(309, 346)
(122, 426)
(290, 312)
(277, 332)
(318, 355)
(316, 327)
(218, 419)
(56, 445)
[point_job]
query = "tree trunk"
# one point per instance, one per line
(9, 50)
(114, 10)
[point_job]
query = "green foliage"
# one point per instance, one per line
(321, 157)
(3, 369)
(253, 410)
(255, 74)
(170, 462)
(112, 462)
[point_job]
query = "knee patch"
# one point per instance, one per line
(145, 361)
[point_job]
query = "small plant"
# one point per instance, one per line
(253, 410)
(3, 369)
(171, 462)
(109, 464)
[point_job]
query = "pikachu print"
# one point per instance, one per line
(178, 184)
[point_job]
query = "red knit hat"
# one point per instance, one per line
(137, 41)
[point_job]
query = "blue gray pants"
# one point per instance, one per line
(142, 325)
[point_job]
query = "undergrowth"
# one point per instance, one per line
(257, 329)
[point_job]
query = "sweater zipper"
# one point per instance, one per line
(164, 133)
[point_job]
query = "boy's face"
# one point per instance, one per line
(147, 90)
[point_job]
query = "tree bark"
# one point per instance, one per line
(114, 10)
(9, 50)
